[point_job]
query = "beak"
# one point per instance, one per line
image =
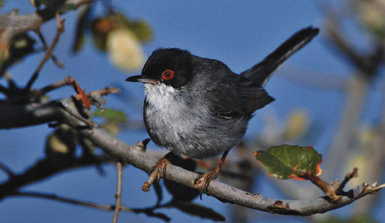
(141, 78)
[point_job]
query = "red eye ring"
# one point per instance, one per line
(167, 74)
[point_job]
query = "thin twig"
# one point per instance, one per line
(59, 31)
(54, 59)
(70, 201)
(6, 169)
(347, 178)
(88, 123)
(328, 189)
(118, 194)
(64, 82)
(147, 211)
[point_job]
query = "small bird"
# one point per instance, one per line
(198, 107)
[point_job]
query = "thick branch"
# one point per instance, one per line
(13, 116)
(134, 156)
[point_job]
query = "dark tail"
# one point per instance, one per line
(260, 73)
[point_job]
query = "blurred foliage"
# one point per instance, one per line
(295, 129)
(112, 117)
(362, 152)
(81, 26)
(124, 50)
(110, 114)
(21, 45)
(296, 124)
(354, 219)
(371, 15)
(57, 5)
(60, 145)
(115, 34)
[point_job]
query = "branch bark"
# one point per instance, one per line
(53, 111)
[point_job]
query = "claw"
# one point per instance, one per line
(157, 171)
(203, 180)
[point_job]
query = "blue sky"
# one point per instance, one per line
(238, 33)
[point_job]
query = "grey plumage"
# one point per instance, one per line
(204, 109)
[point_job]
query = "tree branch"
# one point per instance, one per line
(135, 156)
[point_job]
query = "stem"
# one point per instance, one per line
(118, 194)
(59, 31)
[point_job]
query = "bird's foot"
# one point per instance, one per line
(203, 180)
(157, 171)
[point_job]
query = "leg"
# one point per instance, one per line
(157, 170)
(203, 180)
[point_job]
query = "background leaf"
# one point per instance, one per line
(111, 114)
(81, 25)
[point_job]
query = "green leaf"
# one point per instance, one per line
(99, 41)
(67, 7)
(287, 161)
(141, 29)
(43, 2)
(111, 114)
(198, 210)
(1, 3)
(79, 42)
(100, 28)
(355, 219)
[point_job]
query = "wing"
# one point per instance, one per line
(232, 99)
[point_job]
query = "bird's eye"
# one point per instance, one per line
(167, 74)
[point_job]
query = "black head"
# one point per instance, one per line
(171, 66)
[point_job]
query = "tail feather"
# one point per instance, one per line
(260, 73)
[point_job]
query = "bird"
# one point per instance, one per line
(199, 107)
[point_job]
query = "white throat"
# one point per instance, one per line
(160, 96)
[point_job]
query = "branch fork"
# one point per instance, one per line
(335, 191)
